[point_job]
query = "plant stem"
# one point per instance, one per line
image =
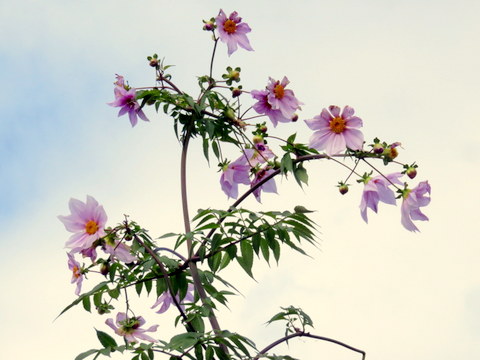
(186, 220)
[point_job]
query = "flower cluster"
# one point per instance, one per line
(377, 189)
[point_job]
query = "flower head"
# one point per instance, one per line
(87, 221)
(236, 173)
(260, 154)
(282, 99)
(119, 250)
(166, 299)
(269, 186)
(77, 275)
(232, 31)
(262, 106)
(125, 99)
(377, 189)
(130, 328)
(413, 200)
(334, 131)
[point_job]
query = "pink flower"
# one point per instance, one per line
(77, 275)
(334, 131)
(235, 173)
(120, 251)
(125, 98)
(260, 154)
(262, 106)
(413, 200)
(232, 31)
(282, 99)
(269, 186)
(87, 221)
(130, 328)
(377, 189)
(166, 299)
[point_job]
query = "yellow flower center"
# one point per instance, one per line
(76, 272)
(337, 125)
(229, 26)
(91, 227)
(279, 91)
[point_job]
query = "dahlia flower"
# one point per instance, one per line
(413, 200)
(87, 222)
(377, 189)
(130, 328)
(232, 31)
(262, 106)
(77, 275)
(334, 131)
(269, 186)
(125, 99)
(235, 173)
(166, 299)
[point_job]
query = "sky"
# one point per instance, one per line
(410, 70)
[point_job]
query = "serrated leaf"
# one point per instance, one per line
(105, 339)
(86, 354)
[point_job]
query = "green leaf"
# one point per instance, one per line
(138, 288)
(105, 339)
(301, 175)
(101, 286)
(86, 354)
(86, 303)
(183, 341)
(97, 299)
(246, 260)
(144, 356)
(208, 353)
(148, 286)
(214, 261)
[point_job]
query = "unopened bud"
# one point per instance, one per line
(230, 114)
(390, 153)
(343, 189)
(411, 172)
(257, 139)
(209, 26)
(294, 117)
(153, 62)
(263, 129)
(378, 148)
(236, 92)
(105, 269)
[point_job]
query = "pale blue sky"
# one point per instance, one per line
(409, 68)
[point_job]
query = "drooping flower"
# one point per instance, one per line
(87, 222)
(166, 299)
(262, 106)
(413, 200)
(233, 31)
(130, 328)
(236, 173)
(334, 131)
(260, 154)
(77, 275)
(125, 98)
(119, 250)
(377, 189)
(269, 186)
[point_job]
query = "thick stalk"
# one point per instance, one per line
(186, 220)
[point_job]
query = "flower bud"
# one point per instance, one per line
(295, 117)
(208, 25)
(343, 189)
(230, 114)
(411, 172)
(263, 128)
(378, 148)
(105, 269)
(236, 92)
(257, 139)
(153, 62)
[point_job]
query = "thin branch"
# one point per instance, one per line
(306, 334)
